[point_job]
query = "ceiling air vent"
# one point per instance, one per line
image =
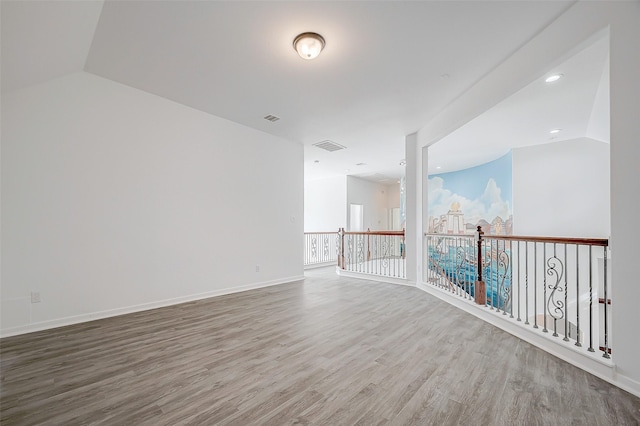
(329, 146)
(271, 118)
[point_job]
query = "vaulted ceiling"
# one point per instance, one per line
(388, 67)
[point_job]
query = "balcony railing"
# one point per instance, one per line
(320, 248)
(373, 252)
(557, 285)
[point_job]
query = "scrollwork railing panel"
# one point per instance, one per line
(375, 252)
(552, 284)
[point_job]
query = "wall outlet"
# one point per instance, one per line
(35, 297)
(257, 268)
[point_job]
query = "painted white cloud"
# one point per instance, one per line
(489, 205)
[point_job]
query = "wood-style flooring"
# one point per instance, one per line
(328, 350)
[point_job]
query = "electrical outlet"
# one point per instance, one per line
(35, 297)
(257, 268)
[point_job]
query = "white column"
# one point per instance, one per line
(413, 200)
(424, 203)
(625, 189)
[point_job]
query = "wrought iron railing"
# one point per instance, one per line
(373, 252)
(558, 285)
(320, 248)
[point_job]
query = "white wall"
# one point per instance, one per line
(373, 196)
(393, 202)
(116, 200)
(562, 189)
(325, 204)
(393, 195)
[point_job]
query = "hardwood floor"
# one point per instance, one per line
(327, 350)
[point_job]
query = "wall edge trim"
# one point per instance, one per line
(93, 316)
(377, 278)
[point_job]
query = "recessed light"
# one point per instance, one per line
(553, 78)
(438, 167)
(554, 131)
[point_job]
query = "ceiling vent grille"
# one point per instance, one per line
(271, 118)
(329, 146)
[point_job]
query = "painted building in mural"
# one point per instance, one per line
(450, 223)
(459, 202)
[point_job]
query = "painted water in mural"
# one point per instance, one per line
(458, 203)
(457, 262)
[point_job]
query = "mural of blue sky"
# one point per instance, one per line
(473, 196)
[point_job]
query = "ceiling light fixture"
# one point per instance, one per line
(554, 131)
(308, 45)
(403, 163)
(553, 78)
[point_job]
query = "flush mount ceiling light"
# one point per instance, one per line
(553, 78)
(308, 45)
(554, 131)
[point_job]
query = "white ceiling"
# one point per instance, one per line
(388, 67)
(44, 40)
(577, 104)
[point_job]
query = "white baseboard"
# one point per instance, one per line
(591, 363)
(92, 316)
(626, 383)
(378, 278)
(320, 265)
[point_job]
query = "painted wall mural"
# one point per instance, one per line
(460, 201)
